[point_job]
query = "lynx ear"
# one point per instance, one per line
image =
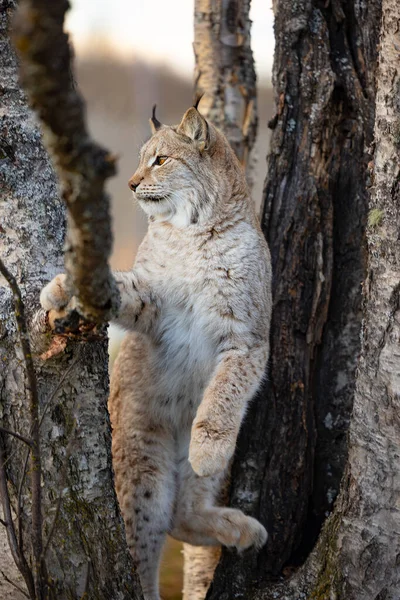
(194, 126)
(155, 124)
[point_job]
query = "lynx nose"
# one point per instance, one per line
(133, 184)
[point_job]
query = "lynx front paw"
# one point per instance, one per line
(209, 451)
(55, 295)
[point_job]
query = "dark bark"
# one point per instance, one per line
(292, 448)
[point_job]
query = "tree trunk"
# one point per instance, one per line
(87, 551)
(293, 446)
(225, 71)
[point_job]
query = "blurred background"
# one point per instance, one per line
(130, 55)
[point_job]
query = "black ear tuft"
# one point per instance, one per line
(197, 101)
(154, 122)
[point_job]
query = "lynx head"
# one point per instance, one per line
(185, 171)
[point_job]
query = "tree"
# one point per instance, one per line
(292, 450)
(225, 77)
(83, 533)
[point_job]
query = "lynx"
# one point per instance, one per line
(197, 307)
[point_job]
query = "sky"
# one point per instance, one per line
(159, 30)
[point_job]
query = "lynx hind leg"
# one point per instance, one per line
(144, 477)
(200, 521)
(144, 466)
(198, 571)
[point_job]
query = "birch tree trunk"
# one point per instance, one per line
(225, 71)
(87, 553)
(293, 449)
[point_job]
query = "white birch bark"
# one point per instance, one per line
(87, 552)
(225, 71)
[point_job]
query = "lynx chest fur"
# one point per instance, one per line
(206, 285)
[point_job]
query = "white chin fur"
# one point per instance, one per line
(177, 209)
(152, 208)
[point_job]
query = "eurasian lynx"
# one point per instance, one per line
(197, 307)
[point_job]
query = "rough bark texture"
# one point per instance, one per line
(87, 550)
(83, 166)
(369, 535)
(292, 449)
(357, 557)
(225, 70)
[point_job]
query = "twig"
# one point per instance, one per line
(82, 165)
(16, 551)
(19, 500)
(62, 486)
(18, 436)
(33, 400)
(21, 483)
(14, 584)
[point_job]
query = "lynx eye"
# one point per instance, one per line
(160, 160)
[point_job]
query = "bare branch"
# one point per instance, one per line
(36, 470)
(83, 166)
(19, 499)
(16, 551)
(18, 436)
(22, 479)
(14, 584)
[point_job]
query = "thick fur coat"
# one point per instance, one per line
(197, 307)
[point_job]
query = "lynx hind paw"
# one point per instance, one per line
(55, 295)
(235, 529)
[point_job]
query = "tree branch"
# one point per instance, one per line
(19, 498)
(18, 436)
(16, 550)
(36, 469)
(14, 584)
(83, 166)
